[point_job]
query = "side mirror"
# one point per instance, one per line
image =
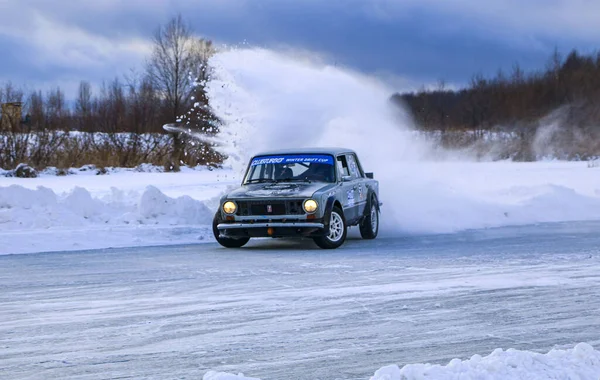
(369, 175)
(346, 178)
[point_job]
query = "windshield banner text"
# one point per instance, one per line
(292, 159)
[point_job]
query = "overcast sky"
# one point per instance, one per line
(45, 43)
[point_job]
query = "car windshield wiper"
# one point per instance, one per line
(260, 180)
(294, 180)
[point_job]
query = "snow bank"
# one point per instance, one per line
(124, 208)
(42, 208)
(212, 375)
(39, 219)
(581, 363)
(460, 196)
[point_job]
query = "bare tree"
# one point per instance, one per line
(176, 54)
(83, 107)
(178, 69)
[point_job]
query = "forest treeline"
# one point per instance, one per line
(119, 123)
(554, 111)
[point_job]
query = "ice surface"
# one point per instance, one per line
(287, 310)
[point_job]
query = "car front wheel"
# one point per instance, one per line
(338, 230)
(225, 241)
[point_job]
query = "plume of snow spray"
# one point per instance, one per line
(272, 100)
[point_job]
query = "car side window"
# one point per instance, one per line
(353, 166)
(360, 168)
(343, 166)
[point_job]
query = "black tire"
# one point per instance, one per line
(226, 242)
(333, 239)
(369, 228)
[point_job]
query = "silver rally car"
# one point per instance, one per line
(316, 193)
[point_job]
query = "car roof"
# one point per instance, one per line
(332, 151)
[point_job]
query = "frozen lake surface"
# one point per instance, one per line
(286, 310)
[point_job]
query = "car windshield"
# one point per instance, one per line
(291, 168)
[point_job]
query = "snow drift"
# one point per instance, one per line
(42, 208)
(41, 220)
(581, 362)
(274, 100)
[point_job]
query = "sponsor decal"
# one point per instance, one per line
(264, 161)
(350, 195)
(354, 168)
(292, 159)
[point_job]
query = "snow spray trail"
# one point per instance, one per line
(273, 100)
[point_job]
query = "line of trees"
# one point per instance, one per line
(565, 95)
(120, 123)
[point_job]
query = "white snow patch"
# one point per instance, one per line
(581, 362)
(435, 197)
(212, 375)
(55, 213)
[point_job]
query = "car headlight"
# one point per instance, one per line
(310, 206)
(229, 207)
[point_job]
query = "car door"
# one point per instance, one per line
(347, 188)
(358, 188)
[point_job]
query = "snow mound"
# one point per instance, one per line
(42, 208)
(581, 362)
(118, 218)
(156, 206)
(212, 375)
(435, 207)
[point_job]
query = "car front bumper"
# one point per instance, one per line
(272, 229)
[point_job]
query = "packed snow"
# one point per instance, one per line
(581, 362)
(121, 209)
(130, 208)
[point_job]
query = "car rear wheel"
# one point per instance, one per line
(225, 241)
(337, 231)
(369, 228)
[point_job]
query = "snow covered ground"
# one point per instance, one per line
(441, 282)
(120, 209)
(129, 208)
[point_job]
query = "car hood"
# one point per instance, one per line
(278, 190)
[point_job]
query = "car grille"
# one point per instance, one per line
(250, 208)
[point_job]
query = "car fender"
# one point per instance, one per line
(328, 208)
(371, 194)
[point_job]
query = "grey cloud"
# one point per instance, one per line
(420, 40)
